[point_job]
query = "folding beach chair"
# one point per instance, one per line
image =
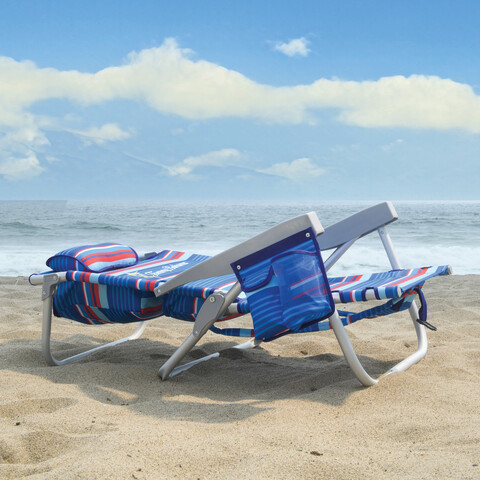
(279, 277)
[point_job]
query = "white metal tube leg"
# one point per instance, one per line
(213, 308)
(349, 353)
(49, 286)
(419, 329)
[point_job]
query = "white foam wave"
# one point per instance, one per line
(359, 259)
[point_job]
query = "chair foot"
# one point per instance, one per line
(164, 374)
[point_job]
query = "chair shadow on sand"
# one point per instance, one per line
(235, 386)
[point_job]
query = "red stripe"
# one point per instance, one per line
(92, 294)
(106, 258)
(143, 265)
(96, 294)
(113, 252)
(151, 310)
(83, 315)
(408, 277)
(92, 314)
(303, 280)
(177, 255)
(343, 283)
(306, 292)
(85, 277)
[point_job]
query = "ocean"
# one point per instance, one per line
(427, 233)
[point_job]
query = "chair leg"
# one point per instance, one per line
(354, 362)
(50, 283)
(213, 308)
(252, 343)
(419, 329)
(348, 351)
(422, 343)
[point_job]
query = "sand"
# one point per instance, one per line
(289, 409)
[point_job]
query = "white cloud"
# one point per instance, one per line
(297, 46)
(20, 167)
(110, 132)
(169, 80)
(299, 170)
(19, 142)
(218, 158)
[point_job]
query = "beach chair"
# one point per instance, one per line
(279, 277)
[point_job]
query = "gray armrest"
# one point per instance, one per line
(220, 264)
(358, 225)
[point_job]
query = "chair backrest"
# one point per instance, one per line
(357, 225)
(220, 264)
(286, 285)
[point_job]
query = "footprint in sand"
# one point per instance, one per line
(33, 447)
(34, 406)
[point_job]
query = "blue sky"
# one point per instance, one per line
(253, 100)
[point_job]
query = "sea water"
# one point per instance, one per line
(427, 233)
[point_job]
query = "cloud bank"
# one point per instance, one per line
(168, 80)
(171, 81)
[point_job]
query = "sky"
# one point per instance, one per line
(254, 101)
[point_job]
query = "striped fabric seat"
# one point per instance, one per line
(125, 295)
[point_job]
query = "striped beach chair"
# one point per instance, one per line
(279, 277)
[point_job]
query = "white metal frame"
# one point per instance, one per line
(339, 237)
(213, 309)
(49, 284)
(346, 346)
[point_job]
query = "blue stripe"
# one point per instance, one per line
(124, 297)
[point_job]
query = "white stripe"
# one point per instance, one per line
(82, 315)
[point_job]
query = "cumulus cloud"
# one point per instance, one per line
(299, 170)
(190, 168)
(110, 132)
(20, 167)
(19, 143)
(218, 158)
(297, 46)
(170, 80)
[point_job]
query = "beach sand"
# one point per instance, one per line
(289, 409)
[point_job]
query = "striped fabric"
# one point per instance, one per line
(286, 285)
(391, 284)
(126, 295)
(93, 258)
